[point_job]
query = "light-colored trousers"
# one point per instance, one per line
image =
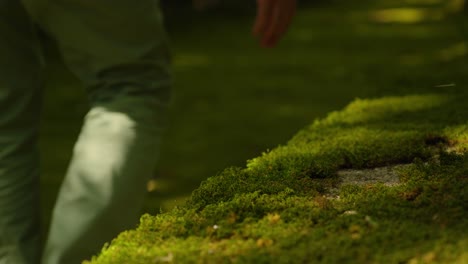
(118, 49)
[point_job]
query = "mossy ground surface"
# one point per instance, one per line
(276, 209)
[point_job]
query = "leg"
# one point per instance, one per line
(118, 49)
(20, 85)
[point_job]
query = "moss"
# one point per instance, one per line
(274, 210)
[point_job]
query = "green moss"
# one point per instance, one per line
(275, 209)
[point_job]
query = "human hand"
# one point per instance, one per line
(273, 20)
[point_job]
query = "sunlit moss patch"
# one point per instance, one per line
(276, 210)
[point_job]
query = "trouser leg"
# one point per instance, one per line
(20, 85)
(118, 49)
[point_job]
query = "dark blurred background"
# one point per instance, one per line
(234, 100)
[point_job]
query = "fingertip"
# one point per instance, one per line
(270, 38)
(268, 43)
